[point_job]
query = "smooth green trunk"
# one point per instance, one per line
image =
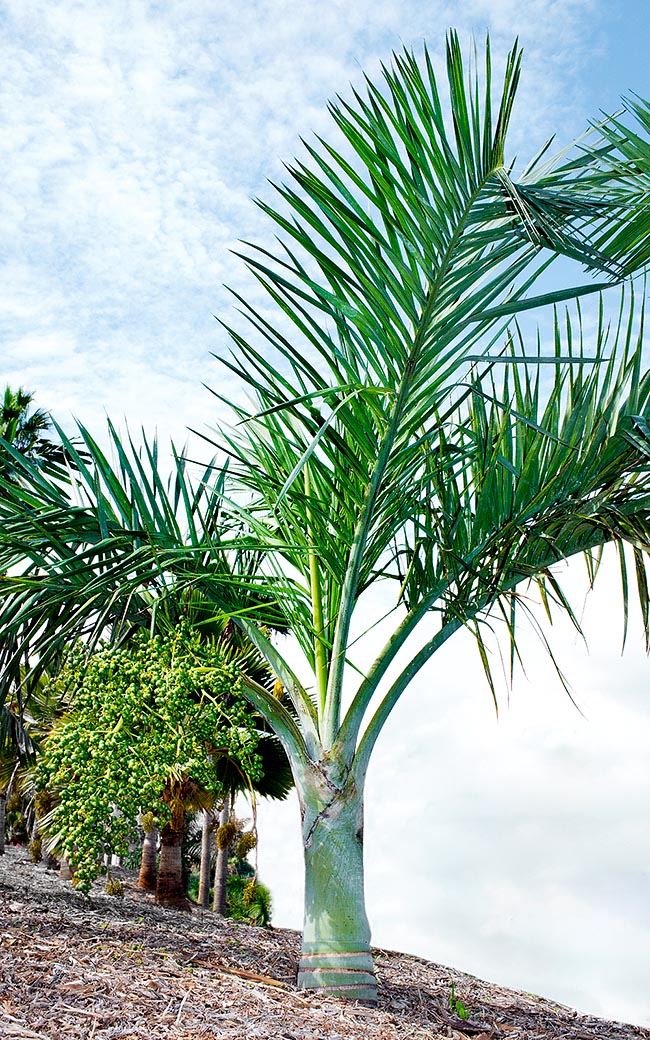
(336, 956)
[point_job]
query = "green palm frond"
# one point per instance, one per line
(541, 470)
(93, 552)
(119, 547)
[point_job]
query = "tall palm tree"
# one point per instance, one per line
(402, 433)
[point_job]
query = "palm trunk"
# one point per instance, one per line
(336, 956)
(4, 797)
(204, 875)
(169, 889)
(147, 877)
(65, 870)
(219, 902)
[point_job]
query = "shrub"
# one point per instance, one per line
(248, 901)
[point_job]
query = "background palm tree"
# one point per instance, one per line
(275, 782)
(276, 779)
(23, 437)
(402, 433)
(25, 430)
(159, 604)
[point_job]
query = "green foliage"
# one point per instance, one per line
(246, 844)
(144, 720)
(193, 887)
(377, 446)
(24, 431)
(249, 901)
(456, 1005)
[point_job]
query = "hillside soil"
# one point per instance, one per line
(76, 969)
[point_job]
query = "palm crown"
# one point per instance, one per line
(384, 444)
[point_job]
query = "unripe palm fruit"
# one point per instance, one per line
(225, 834)
(247, 842)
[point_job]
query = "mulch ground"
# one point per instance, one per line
(73, 969)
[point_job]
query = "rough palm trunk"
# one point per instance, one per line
(169, 889)
(219, 902)
(147, 877)
(4, 798)
(204, 874)
(336, 956)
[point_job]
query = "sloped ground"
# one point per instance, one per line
(111, 967)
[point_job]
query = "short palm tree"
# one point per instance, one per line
(401, 433)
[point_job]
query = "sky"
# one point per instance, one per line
(135, 137)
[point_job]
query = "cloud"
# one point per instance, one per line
(129, 169)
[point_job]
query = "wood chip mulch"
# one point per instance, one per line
(123, 968)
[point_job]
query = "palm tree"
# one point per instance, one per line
(394, 439)
(24, 431)
(23, 437)
(147, 726)
(402, 433)
(275, 782)
(161, 602)
(187, 605)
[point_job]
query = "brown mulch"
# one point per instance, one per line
(124, 968)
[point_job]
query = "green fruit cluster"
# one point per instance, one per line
(225, 834)
(159, 711)
(246, 844)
